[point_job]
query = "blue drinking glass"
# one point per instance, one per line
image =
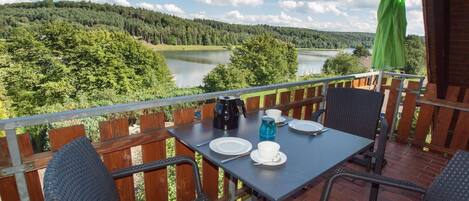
(268, 129)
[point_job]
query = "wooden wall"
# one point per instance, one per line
(447, 41)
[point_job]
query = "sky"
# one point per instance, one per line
(326, 15)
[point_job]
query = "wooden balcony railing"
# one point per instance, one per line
(116, 142)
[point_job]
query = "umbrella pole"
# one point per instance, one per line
(380, 80)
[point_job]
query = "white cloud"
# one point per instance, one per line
(12, 1)
(233, 2)
(281, 20)
(320, 7)
(167, 8)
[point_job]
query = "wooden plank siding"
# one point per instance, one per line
(209, 170)
(270, 100)
(443, 119)
(253, 104)
(61, 136)
(156, 181)
(310, 93)
(408, 110)
(392, 100)
(119, 159)
(461, 130)
(425, 117)
(299, 95)
(285, 98)
(185, 186)
(8, 188)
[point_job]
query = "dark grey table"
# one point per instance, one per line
(308, 156)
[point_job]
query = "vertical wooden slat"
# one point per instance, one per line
(340, 85)
(156, 182)
(443, 119)
(285, 99)
(319, 93)
(252, 103)
(119, 159)
(299, 94)
(8, 188)
(331, 85)
(185, 186)
(425, 117)
(209, 170)
(61, 136)
(348, 84)
(408, 110)
(207, 111)
(461, 131)
(355, 83)
(362, 82)
(309, 108)
(392, 100)
(270, 100)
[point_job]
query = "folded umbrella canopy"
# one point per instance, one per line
(388, 48)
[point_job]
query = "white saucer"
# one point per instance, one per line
(280, 120)
(256, 158)
(230, 146)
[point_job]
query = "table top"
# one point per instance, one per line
(308, 156)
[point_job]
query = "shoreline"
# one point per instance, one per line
(168, 48)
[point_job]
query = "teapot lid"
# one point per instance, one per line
(227, 98)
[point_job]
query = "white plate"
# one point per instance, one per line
(305, 126)
(280, 120)
(256, 158)
(230, 146)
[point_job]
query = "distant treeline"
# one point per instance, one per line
(159, 28)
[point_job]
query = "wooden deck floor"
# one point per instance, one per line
(404, 162)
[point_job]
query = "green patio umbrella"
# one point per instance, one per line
(388, 48)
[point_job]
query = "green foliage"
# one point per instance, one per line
(415, 55)
(226, 77)
(260, 60)
(268, 60)
(56, 63)
(361, 51)
(343, 64)
(158, 28)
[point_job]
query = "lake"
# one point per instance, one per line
(190, 67)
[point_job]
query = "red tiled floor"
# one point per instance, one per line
(404, 162)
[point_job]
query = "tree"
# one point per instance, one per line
(53, 63)
(415, 55)
(343, 64)
(226, 77)
(269, 60)
(361, 51)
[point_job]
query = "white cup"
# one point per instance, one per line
(268, 150)
(274, 113)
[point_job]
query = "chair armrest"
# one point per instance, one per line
(317, 114)
(381, 148)
(160, 164)
(369, 177)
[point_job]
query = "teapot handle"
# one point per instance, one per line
(240, 103)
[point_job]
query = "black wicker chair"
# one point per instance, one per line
(355, 111)
(76, 173)
(451, 185)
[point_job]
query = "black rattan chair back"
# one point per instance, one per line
(453, 182)
(355, 111)
(76, 173)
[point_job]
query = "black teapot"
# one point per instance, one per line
(226, 113)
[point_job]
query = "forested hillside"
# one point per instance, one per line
(158, 28)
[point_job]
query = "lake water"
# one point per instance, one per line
(190, 67)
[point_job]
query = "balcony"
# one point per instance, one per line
(417, 151)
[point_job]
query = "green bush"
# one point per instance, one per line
(226, 77)
(343, 64)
